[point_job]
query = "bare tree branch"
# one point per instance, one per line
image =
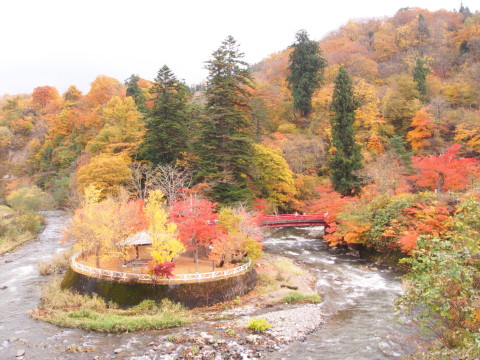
(171, 179)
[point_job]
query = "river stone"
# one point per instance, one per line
(117, 351)
(8, 261)
(252, 338)
(3, 287)
(20, 353)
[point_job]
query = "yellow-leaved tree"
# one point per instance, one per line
(165, 244)
(273, 177)
(123, 128)
(369, 119)
(88, 229)
(106, 172)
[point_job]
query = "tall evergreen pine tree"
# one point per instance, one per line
(306, 68)
(420, 76)
(346, 158)
(166, 135)
(225, 143)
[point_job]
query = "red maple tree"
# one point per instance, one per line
(446, 171)
(196, 219)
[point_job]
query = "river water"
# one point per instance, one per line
(361, 323)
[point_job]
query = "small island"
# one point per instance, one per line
(128, 251)
(140, 265)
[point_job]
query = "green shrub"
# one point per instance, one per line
(62, 191)
(18, 229)
(258, 324)
(146, 307)
(29, 198)
(287, 128)
(30, 222)
(298, 297)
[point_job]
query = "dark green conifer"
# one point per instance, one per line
(423, 33)
(306, 67)
(346, 158)
(166, 135)
(136, 93)
(420, 76)
(225, 143)
(398, 147)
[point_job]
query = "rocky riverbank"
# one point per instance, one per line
(221, 331)
(232, 339)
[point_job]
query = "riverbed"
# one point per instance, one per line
(358, 308)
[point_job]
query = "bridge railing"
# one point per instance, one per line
(293, 219)
(147, 278)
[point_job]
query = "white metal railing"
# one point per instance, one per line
(146, 278)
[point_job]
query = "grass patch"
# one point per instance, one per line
(266, 283)
(298, 297)
(69, 309)
(287, 267)
(111, 322)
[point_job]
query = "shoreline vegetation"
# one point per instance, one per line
(19, 228)
(67, 309)
(277, 277)
(21, 221)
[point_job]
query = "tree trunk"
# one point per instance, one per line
(97, 257)
(440, 182)
(195, 256)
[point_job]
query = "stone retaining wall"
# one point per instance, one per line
(189, 294)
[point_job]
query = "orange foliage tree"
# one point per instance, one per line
(421, 219)
(43, 95)
(103, 88)
(422, 125)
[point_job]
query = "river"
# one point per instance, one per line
(361, 323)
(358, 303)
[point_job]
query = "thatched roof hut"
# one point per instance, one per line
(141, 238)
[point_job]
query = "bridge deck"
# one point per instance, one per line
(293, 220)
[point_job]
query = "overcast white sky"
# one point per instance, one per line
(66, 42)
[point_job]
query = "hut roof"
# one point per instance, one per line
(140, 238)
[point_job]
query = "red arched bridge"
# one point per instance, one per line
(293, 220)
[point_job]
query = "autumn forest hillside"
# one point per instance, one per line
(58, 141)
